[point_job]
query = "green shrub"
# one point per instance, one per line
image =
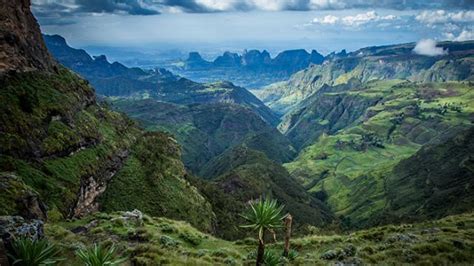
(29, 252)
(190, 238)
(167, 228)
(54, 215)
(98, 256)
(292, 254)
(270, 258)
(168, 241)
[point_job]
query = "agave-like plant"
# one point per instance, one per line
(271, 259)
(263, 215)
(28, 252)
(99, 256)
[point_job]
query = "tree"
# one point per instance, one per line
(263, 215)
(288, 221)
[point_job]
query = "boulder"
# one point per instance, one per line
(17, 227)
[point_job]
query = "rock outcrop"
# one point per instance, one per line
(16, 226)
(195, 61)
(251, 69)
(21, 45)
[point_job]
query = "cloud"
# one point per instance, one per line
(329, 19)
(464, 35)
(428, 47)
(132, 7)
(364, 18)
(153, 7)
(442, 16)
(354, 20)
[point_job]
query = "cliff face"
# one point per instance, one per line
(21, 44)
(60, 150)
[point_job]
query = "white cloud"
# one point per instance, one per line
(329, 19)
(355, 20)
(428, 47)
(364, 18)
(217, 5)
(465, 35)
(327, 4)
(441, 16)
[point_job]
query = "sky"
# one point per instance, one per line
(218, 25)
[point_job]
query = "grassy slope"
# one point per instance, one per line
(242, 174)
(421, 187)
(152, 181)
(54, 138)
(53, 134)
(163, 241)
(206, 130)
(347, 169)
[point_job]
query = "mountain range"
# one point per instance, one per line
(252, 69)
(372, 63)
(116, 80)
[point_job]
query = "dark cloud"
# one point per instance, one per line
(132, 7)
(186, 5)
(57, 12)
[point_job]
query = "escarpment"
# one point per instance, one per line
(21, 44)
(60, 148)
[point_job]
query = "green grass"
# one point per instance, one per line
(155, 241)
(161, 240)
(152, 180)
(55, 136)
(408, 116)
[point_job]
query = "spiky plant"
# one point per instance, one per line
(263, 215)
(99, 256)
(292, 255)
(271, 259)
(30, 252)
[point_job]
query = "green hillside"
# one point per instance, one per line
(368, 64)
(205, 131)
(240, 175)
(353, 152)
(157, 241)
(60, 149)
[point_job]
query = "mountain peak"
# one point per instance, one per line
(21, 43)
(228, 59)
(100, 58)
(193, 56)
(55, 39)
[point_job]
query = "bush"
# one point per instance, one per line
(98, 256)
(190, 238)
(29, 252)
(292, 254)
(55, 215)
(168, 241)
(270, 258)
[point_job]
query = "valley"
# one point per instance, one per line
(370, 151)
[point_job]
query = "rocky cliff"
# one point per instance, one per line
(21, 45)
(60, 149)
